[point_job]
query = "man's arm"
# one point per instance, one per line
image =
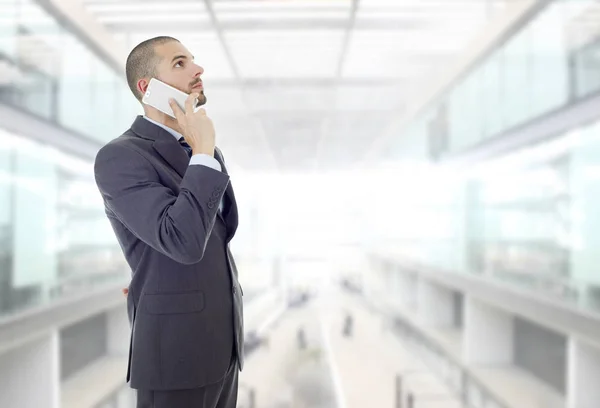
(176, 225)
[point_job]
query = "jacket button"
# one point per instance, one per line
(216, 193)
(211, 205)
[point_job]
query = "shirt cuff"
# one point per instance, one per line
(205, 160)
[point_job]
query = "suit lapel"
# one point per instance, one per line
(230, 208)
(163, 142)
(173, 154)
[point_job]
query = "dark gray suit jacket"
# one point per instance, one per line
(184, 302)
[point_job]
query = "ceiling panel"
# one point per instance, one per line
(368, 98)
(399, 54)
(344, 127)
(289, 98)
(289, 107)
(281, 54)
(107, 7)
(279, 5)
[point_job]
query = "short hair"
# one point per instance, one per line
(142, 62)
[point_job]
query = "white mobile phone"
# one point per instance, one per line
(158, 94)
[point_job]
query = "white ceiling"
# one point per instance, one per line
(300, 84)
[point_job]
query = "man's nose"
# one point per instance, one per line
(200, 71)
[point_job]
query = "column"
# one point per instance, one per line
(118, 331)
(435, 304)
(30, 374)
(488, 334)
(583, 375)
(407, 289)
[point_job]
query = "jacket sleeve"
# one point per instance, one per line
(176, 225)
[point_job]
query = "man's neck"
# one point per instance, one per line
(163, 118)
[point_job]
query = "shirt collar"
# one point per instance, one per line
(175, 134)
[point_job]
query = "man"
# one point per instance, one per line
(169, 200)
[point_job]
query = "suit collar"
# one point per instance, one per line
(148, 130)
(175, 134)
(163, 142)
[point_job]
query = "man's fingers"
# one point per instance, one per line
(125, 291)
(176, 109)
(189, 102)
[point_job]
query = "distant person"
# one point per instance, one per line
(301, 338)
(169, 200)
(348, 325)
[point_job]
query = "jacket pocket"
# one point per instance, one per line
(173, 303)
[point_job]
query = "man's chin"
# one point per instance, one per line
(201, 100)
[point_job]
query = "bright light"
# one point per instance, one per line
(294, 53)
(200, 18)
(242, 6)
(147, 7)
(283, 15)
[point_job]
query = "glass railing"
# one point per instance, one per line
(471, 392)
(55, 239)
(547, 64)
(454, 374)
(46, 70)
(528, 219)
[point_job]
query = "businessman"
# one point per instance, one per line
(170, 202)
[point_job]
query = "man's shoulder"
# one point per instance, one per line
(126, 144)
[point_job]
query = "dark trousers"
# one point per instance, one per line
(219, 395)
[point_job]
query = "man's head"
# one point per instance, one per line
(166, 59)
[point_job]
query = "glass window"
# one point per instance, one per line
(85, 236)
(583, 38)
(103, 101)
(586, 62)
(523, 226)
(47, 70)
(34, 216)
(37, 57)
(456, 106)
(491, 96)
(6, 222)
(8, 29)
(52, 222)
(465, 114)
(517, 79)
(585, 190)
(128, 107)
(549, 61)
(75, 88)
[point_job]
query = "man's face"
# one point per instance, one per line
(177, 68)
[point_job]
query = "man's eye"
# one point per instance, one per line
(180, 63)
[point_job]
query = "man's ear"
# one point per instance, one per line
(142, 85)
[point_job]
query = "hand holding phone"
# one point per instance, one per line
(197, 128)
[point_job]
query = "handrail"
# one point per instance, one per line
(415, 337)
